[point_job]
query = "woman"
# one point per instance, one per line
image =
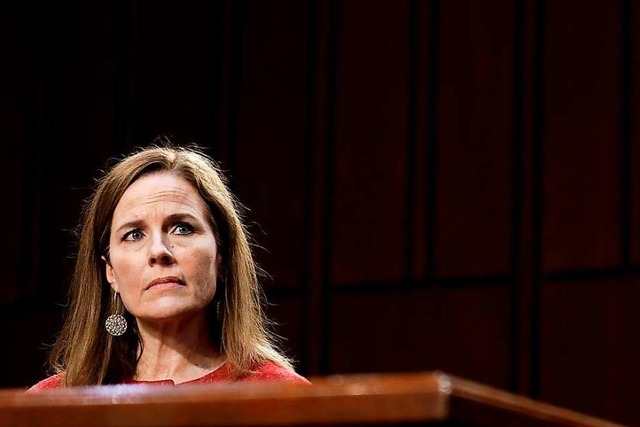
(165, 287)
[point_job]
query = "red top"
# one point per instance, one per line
(267, 372)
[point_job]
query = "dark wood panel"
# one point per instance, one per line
(86, 84)
(475, 124)
(270, 149)
(527, 237)
(634, 129)
(322, 29)
(589, 346)
(173, 73)
(81, 106)
(464, 331)
(582, 178)
(421, 88)
(14, 109)
(369, 161)
(33, 330)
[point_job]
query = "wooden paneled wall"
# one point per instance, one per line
(431, 184)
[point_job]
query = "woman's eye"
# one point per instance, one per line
(183, 229)
(133, 235)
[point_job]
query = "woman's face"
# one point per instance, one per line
(163, 256)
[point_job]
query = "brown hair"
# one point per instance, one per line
(85, 352)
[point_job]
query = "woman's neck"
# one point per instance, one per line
(179, 351)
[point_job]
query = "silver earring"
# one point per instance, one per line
(116, 324)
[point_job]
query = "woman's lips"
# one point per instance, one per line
(165, 283)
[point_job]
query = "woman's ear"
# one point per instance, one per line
(111, 277)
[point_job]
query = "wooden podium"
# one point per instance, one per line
(430, 398)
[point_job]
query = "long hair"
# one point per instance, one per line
(85, 352)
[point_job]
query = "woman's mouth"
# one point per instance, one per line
(165, 283)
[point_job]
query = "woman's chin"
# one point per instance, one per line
(168, 305)
(172, 313)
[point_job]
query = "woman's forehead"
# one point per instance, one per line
(160, 191)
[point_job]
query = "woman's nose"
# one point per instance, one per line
(160, 253)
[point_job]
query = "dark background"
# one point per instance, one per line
(436, 184)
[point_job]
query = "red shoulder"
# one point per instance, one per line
(273, 372)
(53, 382)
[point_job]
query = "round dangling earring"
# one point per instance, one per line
(116, 324)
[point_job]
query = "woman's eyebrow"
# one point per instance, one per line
(175, 217)
(130, 224)
(182, 216)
